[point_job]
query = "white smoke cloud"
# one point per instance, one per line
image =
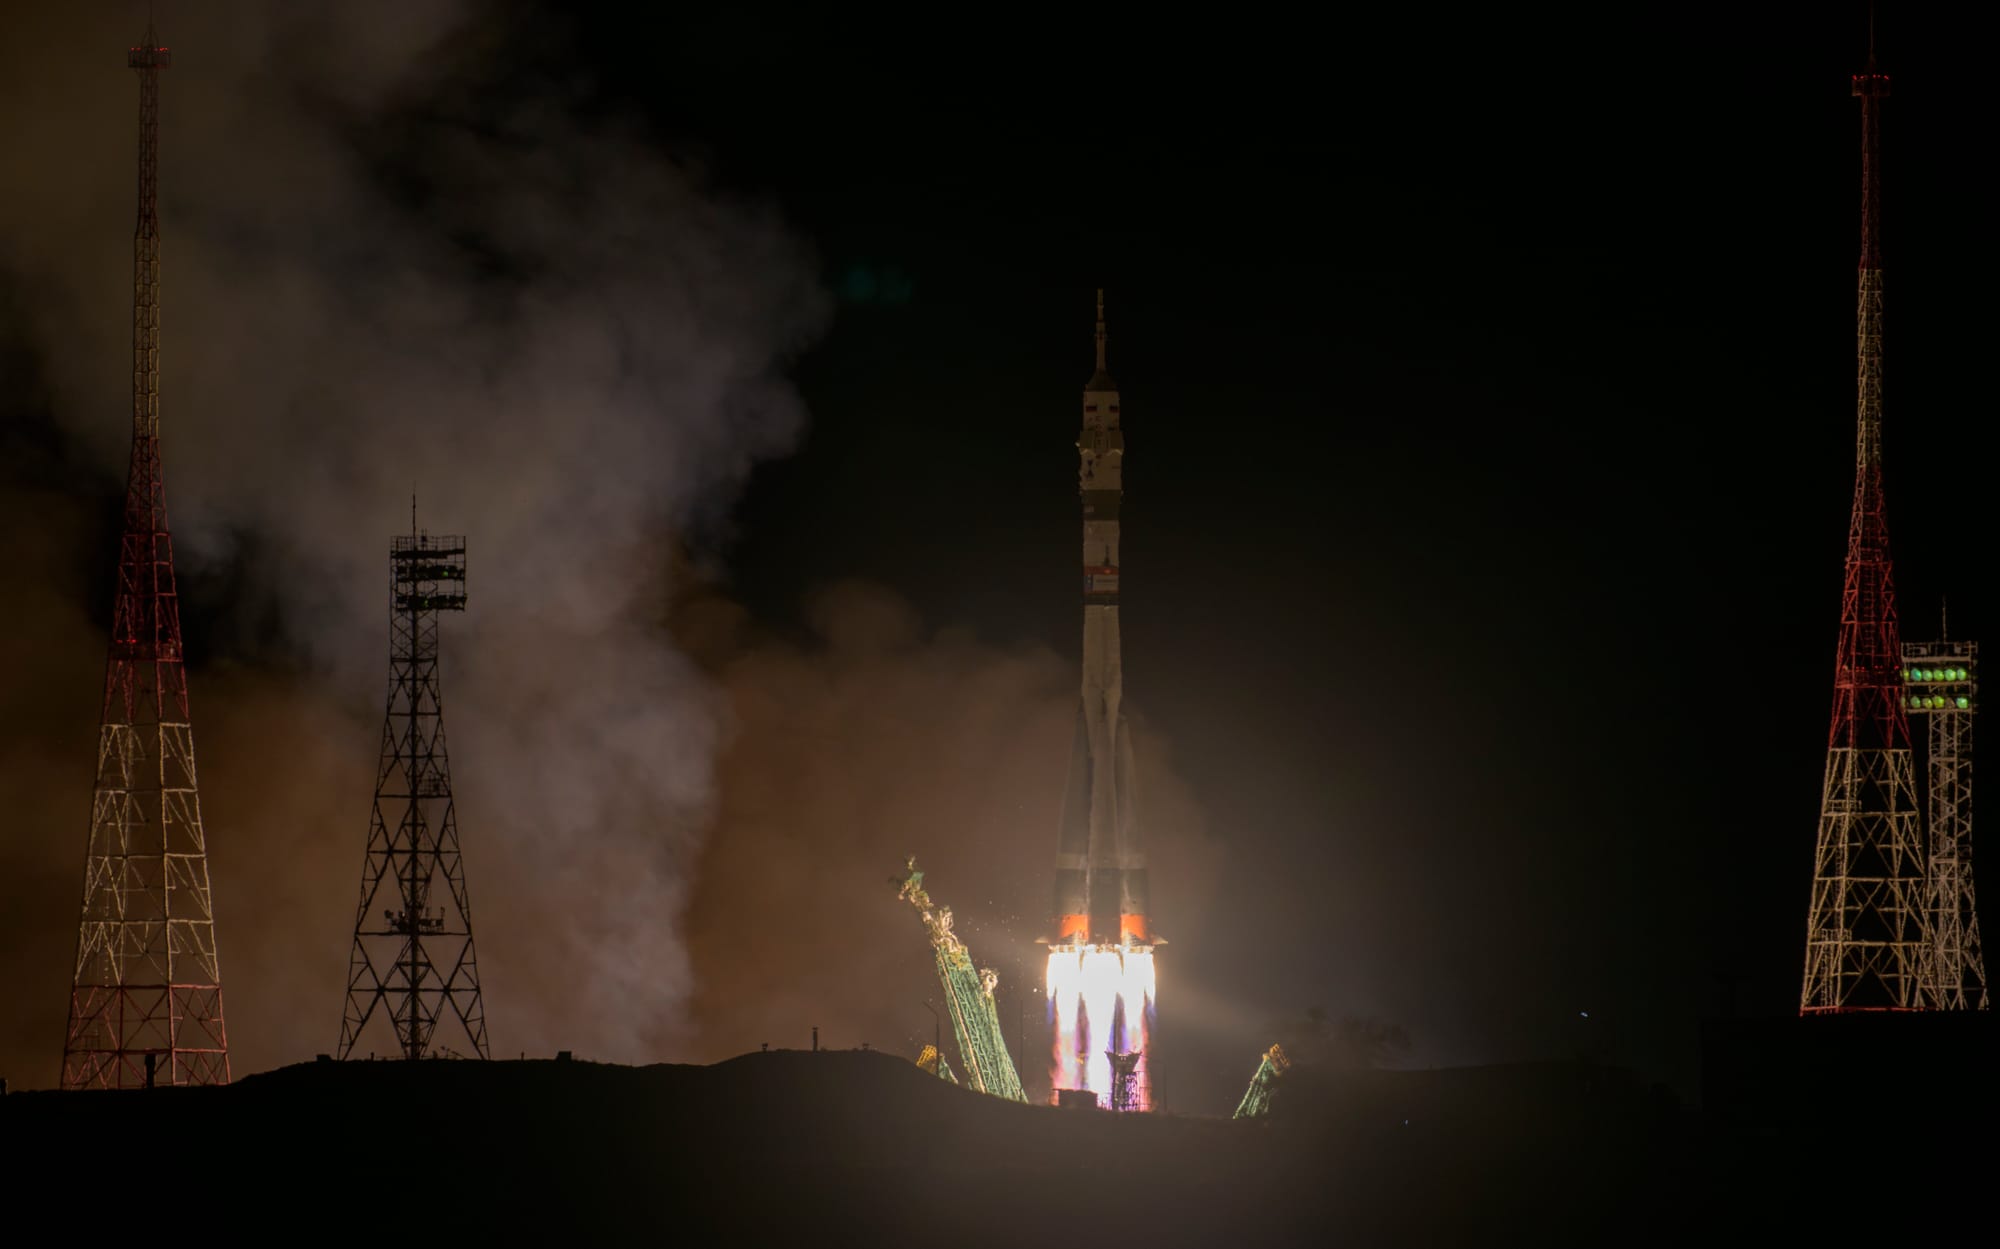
(386, 267)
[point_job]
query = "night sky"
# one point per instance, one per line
(1488, 395)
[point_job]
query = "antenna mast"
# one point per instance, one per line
(146, 994)
(1867, 931)
(413, 961)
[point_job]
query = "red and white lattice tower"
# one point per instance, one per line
(1868, 931)
(146, 1002)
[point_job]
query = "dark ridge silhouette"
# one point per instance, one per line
(858, 1147)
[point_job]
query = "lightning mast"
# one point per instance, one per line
(413, 959)
(1867, 930)
(146, 994)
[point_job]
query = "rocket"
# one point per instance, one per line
(1101, 890)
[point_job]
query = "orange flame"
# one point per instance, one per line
(1103, 998)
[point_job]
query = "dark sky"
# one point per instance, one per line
(1488, 398)
(1489, 393)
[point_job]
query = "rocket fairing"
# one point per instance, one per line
(1101, 890)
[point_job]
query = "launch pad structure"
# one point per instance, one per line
(930, 1062)
(413, 958)
(1263, 1084)
(968, 995)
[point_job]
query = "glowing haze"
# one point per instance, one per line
(392, 262)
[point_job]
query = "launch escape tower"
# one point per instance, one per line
(413, 958)
(1942, 683)
(968, 995)
(1100, 968)
(1868, 940)
(146, 998)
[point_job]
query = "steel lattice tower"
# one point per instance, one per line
(1867, 932)
(146, 997)
(413, 832)
(1942, 680)
(1126, 1091)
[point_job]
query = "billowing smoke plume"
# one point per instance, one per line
(388, 266)
(872, 740)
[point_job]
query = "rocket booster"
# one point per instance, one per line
(1101, 891)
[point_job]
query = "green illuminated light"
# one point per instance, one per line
(1963, 702)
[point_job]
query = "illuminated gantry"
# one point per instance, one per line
(1941, 680)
